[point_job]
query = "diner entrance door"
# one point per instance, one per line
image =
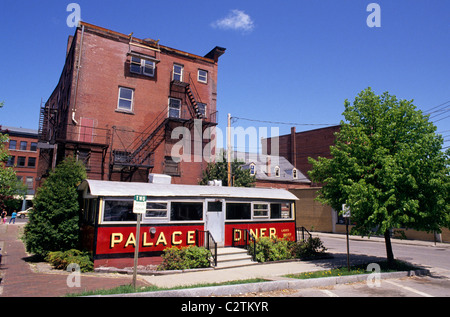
(215, 219)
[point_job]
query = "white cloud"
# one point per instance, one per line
(236, 20)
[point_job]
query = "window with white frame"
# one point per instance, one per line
(277, 171)
(202, 76)
(177, 72)
(174, 108)
(142, 66)
(260, 210)
(294, 173)
(125, 101)
(156, 210)
(202, 108)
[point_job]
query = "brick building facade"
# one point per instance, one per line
(118, 102)
(24, 157)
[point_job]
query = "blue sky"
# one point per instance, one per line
(286, 61)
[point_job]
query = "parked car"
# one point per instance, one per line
(24, 213)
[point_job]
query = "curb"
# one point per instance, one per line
(239, 289)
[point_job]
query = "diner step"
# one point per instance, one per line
(233, 257)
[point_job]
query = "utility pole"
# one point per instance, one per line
(229, 150)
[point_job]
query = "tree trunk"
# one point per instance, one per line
(389, 253)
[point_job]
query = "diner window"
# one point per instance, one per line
(142, 66)
(280, 211)
(125, 101)
(215, 206)
(31, 162)
(156, 210)
(261, 210)
(184, 211)
(177, 72)
(174, 108)
(202, 76)
(237, 211)
(23, 145)
(119, 210)
(21, 161)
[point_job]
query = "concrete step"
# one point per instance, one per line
(233, 257)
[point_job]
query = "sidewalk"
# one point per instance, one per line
(19, 279)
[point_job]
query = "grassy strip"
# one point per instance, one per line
(354, 270)
(125, 289)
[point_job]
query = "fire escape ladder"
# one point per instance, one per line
(197, 114)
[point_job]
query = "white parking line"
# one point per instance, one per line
(329, 293)
(409, 289)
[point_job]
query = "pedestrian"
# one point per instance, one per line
(13, 217)
(4, 213)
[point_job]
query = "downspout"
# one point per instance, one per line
(74, 109)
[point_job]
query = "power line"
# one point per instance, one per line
(287, 123)
(428, 111)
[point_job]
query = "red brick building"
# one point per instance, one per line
(118, 102)
(297, 147)
(24, 157)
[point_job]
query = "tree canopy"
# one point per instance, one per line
(387, 166)
(219, 171)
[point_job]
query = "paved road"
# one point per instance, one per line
(435, 258)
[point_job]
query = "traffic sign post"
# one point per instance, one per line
(346, 215)
(139, 207)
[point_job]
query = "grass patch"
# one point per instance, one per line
(125, 289)
(354, 270)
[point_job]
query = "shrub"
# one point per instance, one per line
(61, 259)
(185, 258)
(268, 249)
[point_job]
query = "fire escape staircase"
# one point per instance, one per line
(138, 154)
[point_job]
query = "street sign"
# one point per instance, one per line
(346, 211)
(139, 204)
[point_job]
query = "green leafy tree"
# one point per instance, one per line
(54, 222)
(388, 167)
(10, 187)
(219, 171)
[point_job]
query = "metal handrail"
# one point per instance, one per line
(303, 229)
(244, 241)
(208, 243)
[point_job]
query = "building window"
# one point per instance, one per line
(12, 144)
(252, 169)
(33, 146)
(156, 210)
(277, 171)
(171, 167)
(23, 145)
(294, 173)
(31, 162)
(202, 76)
(183, 211)
(29, 182)
(260, 210)
(11, 160)
(174, 108)
(142, 66)
(21, 161)
(125, 99)
(177, 72)
(202, 109)
(238, 211)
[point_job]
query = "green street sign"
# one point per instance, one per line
(139, 204)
